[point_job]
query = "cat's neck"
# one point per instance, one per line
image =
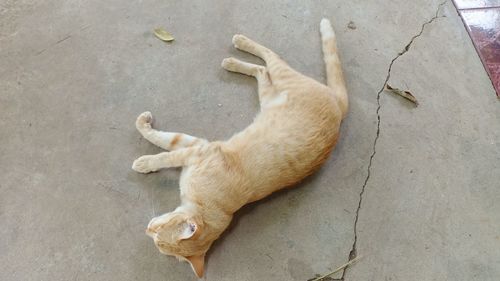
(188, 207)
(215, 221)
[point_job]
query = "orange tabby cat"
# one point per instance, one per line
(290, 138)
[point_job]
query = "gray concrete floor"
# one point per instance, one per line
(75, 74)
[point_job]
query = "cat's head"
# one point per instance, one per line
(179, 234)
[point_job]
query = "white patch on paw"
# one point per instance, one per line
(143, 164)
(326, 29)
(144, 121)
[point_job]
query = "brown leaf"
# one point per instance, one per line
(405, 94)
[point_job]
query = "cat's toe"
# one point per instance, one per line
(144, 121)
(143, 165)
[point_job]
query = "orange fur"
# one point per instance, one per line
(289, 139)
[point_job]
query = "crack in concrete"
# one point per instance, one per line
(353, 252)
(60, 41)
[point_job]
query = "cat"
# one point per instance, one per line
(290, 138)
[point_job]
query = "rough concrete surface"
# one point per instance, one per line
(75, 74)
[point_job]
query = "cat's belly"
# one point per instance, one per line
(273, 165)
(286, 144)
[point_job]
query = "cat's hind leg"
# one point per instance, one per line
(275, 66)
(260, 73)
(246, 44)
(166, 140)
(236, 65)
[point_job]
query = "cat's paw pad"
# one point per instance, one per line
(239, 40)
(144, 121)
(143, 164)
(229, 64)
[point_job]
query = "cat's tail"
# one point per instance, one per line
(334, 75)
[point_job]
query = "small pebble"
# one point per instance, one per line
(219, 104)
(351, 25)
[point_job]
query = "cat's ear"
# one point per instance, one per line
(188, 230)
(197, 264)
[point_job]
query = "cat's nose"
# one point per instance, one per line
(156, 223)
(150, 232)
(152, 227)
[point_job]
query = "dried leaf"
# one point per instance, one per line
(405, 94)
(163, 35)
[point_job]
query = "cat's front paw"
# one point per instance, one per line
(144, 164)
(144, 121)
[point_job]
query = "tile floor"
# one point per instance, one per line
(482, 19)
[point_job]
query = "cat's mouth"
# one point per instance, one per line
(155, 225)
(151, 233)
(152, 228)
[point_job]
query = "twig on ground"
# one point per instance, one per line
(338, 269)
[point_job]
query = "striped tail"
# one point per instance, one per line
(334, 75)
